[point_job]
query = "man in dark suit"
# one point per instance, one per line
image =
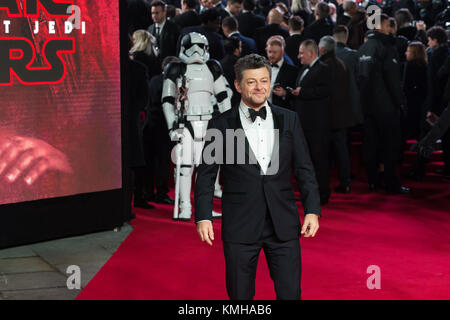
(157, 142)
(273, 28)
(283, 74)
(188, 17)
(312, 103)
(249, 21)
(341, 112)
(321, 26)
(233, 49)
(165, 31)
(230, 29)
(209, 28)
(296, 27)
(258, 204)
(351, 60)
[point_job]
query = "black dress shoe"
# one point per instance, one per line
(399, 190)
(150, 198)
(141, 203)
(342, 189)
(164, 200)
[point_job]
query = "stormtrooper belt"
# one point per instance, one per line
(204, 117)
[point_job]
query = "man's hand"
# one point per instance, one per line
(432, 118)
(279, 91)
(310, 225)
(420, 25)
(296, 92)
(29, 157)
(205, 231)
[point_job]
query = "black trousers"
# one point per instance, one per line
(283, 259)
(157, 158)
(339, 144)
(319, 146)
(382, 140)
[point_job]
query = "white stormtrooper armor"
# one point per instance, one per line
(205, 84)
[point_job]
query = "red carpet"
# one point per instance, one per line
(408, 237)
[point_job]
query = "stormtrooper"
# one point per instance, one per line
(191, 89)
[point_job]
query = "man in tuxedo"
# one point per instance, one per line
(233, 7)
(258, 204)
(283, 74)
(312, 103)
(322, 26)
(230, 29)
(165, 31)
(248, 20)
(296, 27)
(188, 17)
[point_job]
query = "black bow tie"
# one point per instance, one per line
(275, 65)
(262, 113)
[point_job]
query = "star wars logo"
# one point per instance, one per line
(31, 60)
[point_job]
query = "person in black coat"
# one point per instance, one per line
(188, 17)
(138, 97)
(384, 103)
(144, 51)
(249, 21)
(312, 103)
(321, 26)
(230, 29)
(233, 50)
(415, 81)
(165, 31)
(342, 117)
(351, 60)
(209, 28)
(283, 75)
(157, 143)
(301, 8)
(258, 204)
(273, 28)
(296, 37)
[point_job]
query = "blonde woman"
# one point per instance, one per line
(144, 50)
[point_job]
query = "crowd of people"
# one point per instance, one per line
(339, 65)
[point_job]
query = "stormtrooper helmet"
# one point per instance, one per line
(194, 48)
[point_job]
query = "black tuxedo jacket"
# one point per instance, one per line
(318, 29)
(248, 195)
(292, 46)
(313, 102)
(168, 39)
(286, 78)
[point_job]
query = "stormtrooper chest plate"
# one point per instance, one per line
(200, 89)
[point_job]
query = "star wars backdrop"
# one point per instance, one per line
(60, 131)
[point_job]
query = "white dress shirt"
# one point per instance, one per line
(260, 134)
(275, 72)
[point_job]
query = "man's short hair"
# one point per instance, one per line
(158, 3)
(234, 1)
(249, 5)
(328, 44)
(323, 10)
(310, 44)
(403, 16)
(438, 33)
(251, 61)
(231, 44)
(340, 33)
(296, 23)
(348, 5)
(276, 41)
(231, 23)
(191, 4)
